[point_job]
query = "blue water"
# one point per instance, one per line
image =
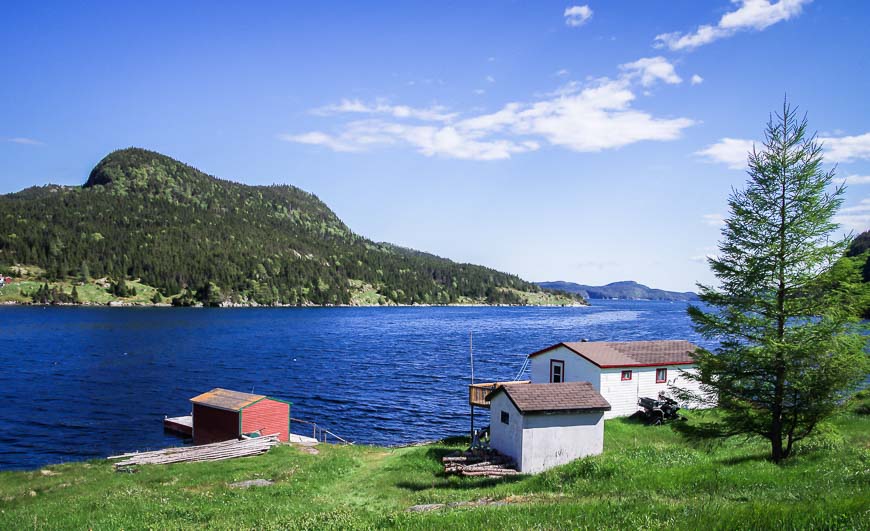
(82, 383)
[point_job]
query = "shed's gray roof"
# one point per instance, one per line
(553, 397)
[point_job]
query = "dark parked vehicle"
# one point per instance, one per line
(658, 411)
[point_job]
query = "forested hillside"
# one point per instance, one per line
(144, 216)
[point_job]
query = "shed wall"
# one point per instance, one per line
(269, 415)
(506, 438)
(214, 425)
(552, 440)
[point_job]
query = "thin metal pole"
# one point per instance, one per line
(471, 357)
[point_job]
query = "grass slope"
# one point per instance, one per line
(648, 478)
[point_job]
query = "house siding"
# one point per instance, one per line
(577, 368)
(622, 396)
(270, 416)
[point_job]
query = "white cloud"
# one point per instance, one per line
(847, 148)
(856, 179)
(733, 152)
(697, 80)
(577, 15)
(588, 118)
(479, 92)
(562, 73)
(318, 138)
(24, 141)
(751, 14)
(714, 220)
(490, 79)
(856, 218)
(652, 69)
(436, 113)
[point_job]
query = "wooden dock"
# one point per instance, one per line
(180, 425)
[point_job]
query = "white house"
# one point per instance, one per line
(621, 371)
(544, 425)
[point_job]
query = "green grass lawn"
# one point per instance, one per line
(647, 478)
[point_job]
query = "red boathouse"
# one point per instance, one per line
(221, 415)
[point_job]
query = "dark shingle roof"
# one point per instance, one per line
(630, 353)
(554, 398)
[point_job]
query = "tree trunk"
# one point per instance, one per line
(779, 384)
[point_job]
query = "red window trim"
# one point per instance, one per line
(661, 380)
(561, 364)
(623, 378)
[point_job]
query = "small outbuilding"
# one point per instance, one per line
(545, 425)
(221, 415)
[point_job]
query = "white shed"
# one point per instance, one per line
(621, 371)
(544, 425)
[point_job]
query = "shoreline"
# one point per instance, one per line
(123, 304)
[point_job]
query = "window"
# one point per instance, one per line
(505, 417)
(626, 376)
(661, 375)
(557, 371)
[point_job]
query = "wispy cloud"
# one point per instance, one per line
(577, 15)
(435, 114)
(590, 118)
(317, 138)
(847, 148)
(714, 220)
(856, 218)
(750, 15)
(707, 253)
(697, 80)
(732, 152)
(24, 141)
(652, 69)
(562, 72)
(856, 179)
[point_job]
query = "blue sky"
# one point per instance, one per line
(590, 142)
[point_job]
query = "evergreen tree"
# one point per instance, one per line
(84, 272)
(790, 350)
(74, 296)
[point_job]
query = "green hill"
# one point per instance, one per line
(144, 216)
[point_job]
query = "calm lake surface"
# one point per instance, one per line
(82, 383)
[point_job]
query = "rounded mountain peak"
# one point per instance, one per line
(138, 168)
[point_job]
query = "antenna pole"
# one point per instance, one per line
(471, 357)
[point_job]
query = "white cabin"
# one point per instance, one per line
(621, 371)
(542, 426)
